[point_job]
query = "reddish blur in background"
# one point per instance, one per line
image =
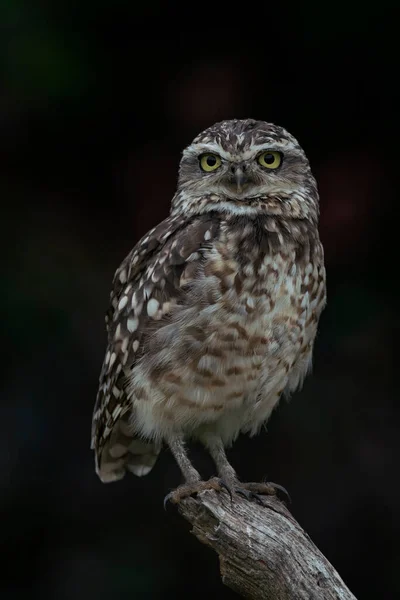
(97, 101)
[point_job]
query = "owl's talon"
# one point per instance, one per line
(225, 487)
(250, 495)
(190, 489)
(167, 499)
(284, 494)
(264, 489)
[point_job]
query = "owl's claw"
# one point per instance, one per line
(225, 487)
(250, 495)
(250, 491)
(254, 491)
(190, 489)
(281, 492)
(167, 498)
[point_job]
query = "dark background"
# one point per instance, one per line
(97, 101)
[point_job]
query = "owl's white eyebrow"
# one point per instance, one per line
(197, 149)
(273, 145)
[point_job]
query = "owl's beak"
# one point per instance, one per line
(241, 178)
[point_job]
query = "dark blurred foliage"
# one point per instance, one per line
(97, 101)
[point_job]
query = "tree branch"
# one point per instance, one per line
(263, 551)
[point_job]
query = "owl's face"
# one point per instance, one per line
(246, 166)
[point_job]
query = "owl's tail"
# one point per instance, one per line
(124, 451)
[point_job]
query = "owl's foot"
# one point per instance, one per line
(190, 489)
(255, 491)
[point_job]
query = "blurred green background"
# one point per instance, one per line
(97, 102)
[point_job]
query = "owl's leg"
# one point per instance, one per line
(193, 483)
(177, 447)
(228, 475)
(225, 470)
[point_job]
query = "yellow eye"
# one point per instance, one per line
(210, 162)
(270, 160)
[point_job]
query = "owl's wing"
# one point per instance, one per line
(148, 282)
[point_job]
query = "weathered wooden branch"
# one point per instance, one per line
(263, 551)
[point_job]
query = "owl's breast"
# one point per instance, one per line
(241, 327)
(253, 310)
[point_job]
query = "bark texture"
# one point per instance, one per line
(263, 551)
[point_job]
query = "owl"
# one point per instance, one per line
(214, 313)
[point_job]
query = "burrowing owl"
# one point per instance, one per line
(214, 312)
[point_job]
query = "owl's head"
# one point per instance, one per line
(246, 167)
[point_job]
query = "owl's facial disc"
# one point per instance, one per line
(246, 166)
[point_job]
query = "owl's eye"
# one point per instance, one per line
(210, 162)
(270, 160)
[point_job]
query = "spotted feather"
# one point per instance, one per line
(146, 287)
